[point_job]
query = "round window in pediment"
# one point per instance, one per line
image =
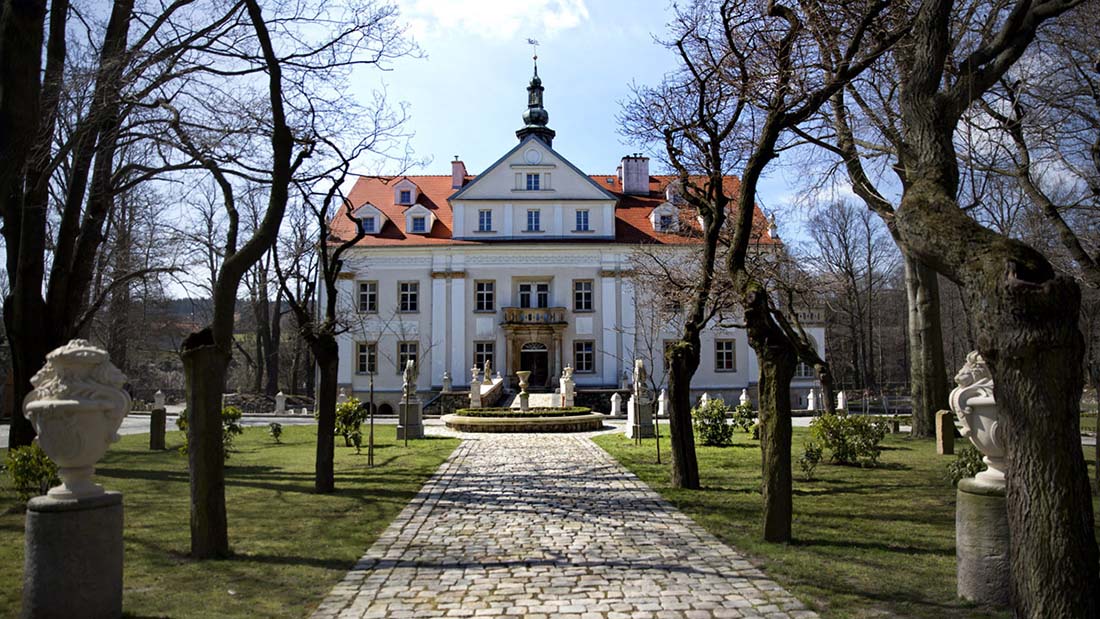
(532, 156)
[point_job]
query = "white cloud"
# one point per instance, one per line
(495, 19)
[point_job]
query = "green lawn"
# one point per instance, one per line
(291, 545)
(867, 542)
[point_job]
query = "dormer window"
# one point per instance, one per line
(533, 182)
(665, 223)
(419, 224)
(665, 218)
(368, 225)
(406, 196)
(405, 192)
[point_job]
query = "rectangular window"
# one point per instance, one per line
(584, 357)
(725, 359)
(408, 294)
(483, 351)
(665, 224)
(582, 221)
(485, 296)
(582, 295)
(533, 220)
(420, 224)
(368, 225)
(535, 294)
(366, 358)
(406, 351)
(368, 297)
(485, 221)
(406, 196)
(532, 182)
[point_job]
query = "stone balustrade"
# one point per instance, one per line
(534, 315)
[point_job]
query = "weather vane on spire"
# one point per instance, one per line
(535, 49)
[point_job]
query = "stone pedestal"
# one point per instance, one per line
(639, 419)
(73, 562)
(981, 543)
(616, 405)
(157, 420)
(410, 421)
(280, 403)
(945, 433)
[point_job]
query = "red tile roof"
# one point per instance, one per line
(632, 223)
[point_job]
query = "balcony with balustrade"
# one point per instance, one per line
(534, 316)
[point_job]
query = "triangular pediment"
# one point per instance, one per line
(507, 178)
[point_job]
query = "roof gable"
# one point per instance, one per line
(561, 180)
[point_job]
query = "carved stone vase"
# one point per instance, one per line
(76, 407)
(974, 406)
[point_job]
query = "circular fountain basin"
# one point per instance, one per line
(576, 419)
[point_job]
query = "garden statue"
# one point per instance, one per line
(811, 401)
(972, 402)
(76, 408)
(488, 372)
(446, 381)
(744, 399)
(410, 376)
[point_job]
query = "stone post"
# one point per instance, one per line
(811, 401)
(158, 419)
(663, 404)
(280, 403)
(446, 381)
(981, 519)
(616, 404)
(523, 375)
(704, 399)
(744, 399)
(945, 433)
(342, 396)
(841, 401)
(73, 539)
(158, 399)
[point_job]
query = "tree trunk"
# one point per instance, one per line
(776, 371)
(204, 368)
(683, 359)
(271, 362)
(327, 353)
(927, 373)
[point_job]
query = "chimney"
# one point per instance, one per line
(635, 174)
(458, 173)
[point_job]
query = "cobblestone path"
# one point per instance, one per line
(549, 526)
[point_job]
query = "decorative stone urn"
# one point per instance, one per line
(523, 375)
(76, 407)
(973, 404)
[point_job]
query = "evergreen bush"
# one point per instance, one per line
(31, 470)
(967, 463)
(709, 421)
(850, 439)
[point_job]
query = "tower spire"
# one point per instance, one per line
(536, 116)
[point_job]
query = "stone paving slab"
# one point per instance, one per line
(549, 525)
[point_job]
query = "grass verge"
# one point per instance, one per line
(290, 545)
(867, 542)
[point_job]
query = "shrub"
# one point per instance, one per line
(231, 427)
(349, 415)
(31, 471)
(850, 439)
(275, 429)
(811, 456)
(967, 463)
(709, 421)
(744, 417)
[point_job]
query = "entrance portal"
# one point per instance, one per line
(535, 358)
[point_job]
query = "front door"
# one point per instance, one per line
(536, 362)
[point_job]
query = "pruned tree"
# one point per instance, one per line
(1024, 313)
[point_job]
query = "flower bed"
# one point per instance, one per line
(574, 419)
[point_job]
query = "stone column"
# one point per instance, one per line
(73, 538)
(945, 433)
(439, 327)
(459, 359)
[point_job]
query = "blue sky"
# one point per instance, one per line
(466, 96)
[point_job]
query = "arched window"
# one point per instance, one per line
(534, 347)
(385, 409)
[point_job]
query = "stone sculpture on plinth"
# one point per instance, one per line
(411, 422)
(475, 388)
(639, 422)
(744, 399)
(523, 375)
(981, 519)
(158, 419)
(488, 373)
(73, 563)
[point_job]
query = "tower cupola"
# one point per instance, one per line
(536, 116)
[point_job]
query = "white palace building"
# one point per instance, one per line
(527, 265)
